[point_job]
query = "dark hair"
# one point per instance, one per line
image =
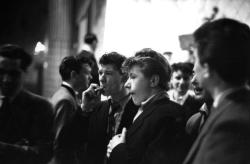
(68, 65)
(89, 38)
(224, 45)
(149, 66)
(88, 57)
(113, 58)
(16, 52)
(184, 67)
(148, 52)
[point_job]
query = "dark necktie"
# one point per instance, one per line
(111, 119)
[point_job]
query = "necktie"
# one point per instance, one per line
(114, 107)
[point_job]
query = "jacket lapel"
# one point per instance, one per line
(147, 111)
(215, 113)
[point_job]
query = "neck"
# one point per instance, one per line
(178, 94)
(219, 88)
(154, 91)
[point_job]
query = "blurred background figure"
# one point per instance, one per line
(90, 42)
(197, 120)
(181, 91)
(25, 118)
(222, 69)
(75, 72)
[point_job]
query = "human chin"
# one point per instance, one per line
(135, 100)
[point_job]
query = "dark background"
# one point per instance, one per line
(23, 22)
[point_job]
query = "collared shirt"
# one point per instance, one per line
(151, 99)
(70, 86)
(179, 99)
(118, 114)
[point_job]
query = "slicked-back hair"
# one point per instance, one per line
(113, 58)
(69, 64)
(16, 52)
(86, 57)
(149, 67)
(224, 45)
(148, 52)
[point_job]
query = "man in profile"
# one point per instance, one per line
(75, 72)
(25, 118)
(222, 68)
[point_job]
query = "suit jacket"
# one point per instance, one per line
(156, 136)
(68, 129)
(98, 138)
(25, 130)
(224, 138)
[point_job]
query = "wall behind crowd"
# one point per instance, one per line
(156, 24)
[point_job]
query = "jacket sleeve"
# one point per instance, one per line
(228, 143)
(37, 147)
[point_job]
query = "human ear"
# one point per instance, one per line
(154, 81)
(207, 71)
(73, 74)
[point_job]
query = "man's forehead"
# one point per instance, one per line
(86, 66)
(107, 67)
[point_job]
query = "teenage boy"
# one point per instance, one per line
(154, 136)
(109, 116)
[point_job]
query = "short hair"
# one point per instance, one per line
(113, 58)
(149, 67)
(148, 52)
(15, 52)
(72, 63)
(224, 45)
(184, 67)
(86, 57)
(89, 38)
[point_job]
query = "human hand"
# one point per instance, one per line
(116, 140)
(90, 97)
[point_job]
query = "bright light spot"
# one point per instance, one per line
(40, 48)
(131, 25)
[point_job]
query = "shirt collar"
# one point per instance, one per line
(154, 97)
(218, 98)
(70, 86)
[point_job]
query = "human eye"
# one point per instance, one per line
(132, 76)
(109, 73)
(178, 77)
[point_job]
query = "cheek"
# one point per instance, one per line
(174, 83)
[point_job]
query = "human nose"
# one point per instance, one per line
(127, 84)
(182, 81)
(102, 78)
(194, 80)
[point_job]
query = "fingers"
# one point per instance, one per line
(109, 150)
(92, 92)
(123, 134)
